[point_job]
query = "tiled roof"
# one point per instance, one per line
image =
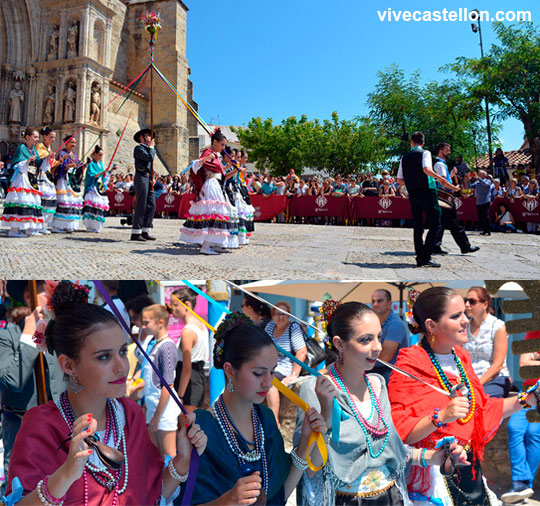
(522, 155)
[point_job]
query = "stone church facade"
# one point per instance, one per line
(62, 61)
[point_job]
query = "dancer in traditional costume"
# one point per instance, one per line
(22, 207)
(46, 184)
(422, 415)
(207, 223)
(369, 463)
(228, 161)
(246, 211)
(69, 200)
(246, 461)
(96, 202)
(55, 456)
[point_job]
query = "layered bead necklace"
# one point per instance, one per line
(112, 426)
(230, 431)
(445, 382)
(377, 431)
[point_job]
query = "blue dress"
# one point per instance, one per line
(219, 469)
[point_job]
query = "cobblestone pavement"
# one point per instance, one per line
(277, 251)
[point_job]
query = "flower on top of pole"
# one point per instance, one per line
(152, 23)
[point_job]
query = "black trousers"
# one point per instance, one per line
(483, 216)
(145, 204)
(424, 202)
(449, 221)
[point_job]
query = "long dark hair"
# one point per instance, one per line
(431, 304)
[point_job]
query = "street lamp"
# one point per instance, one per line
(477, 28)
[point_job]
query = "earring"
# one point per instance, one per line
(340, 359)
(74, 384)
(230, 386)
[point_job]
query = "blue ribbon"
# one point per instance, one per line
(445, 440)
(415, 496)
(337, 412)
(16, 493)
(194, 462)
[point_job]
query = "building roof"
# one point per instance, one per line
(515, 157)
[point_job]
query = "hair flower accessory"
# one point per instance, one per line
(39, 336)
(409, 317)
(327, 311)
(230, 321)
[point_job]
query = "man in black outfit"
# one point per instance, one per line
(416, 172)
(145, 203)
(449, 219)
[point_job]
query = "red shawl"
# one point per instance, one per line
(35, 456)
(213, 165)
(411, 401)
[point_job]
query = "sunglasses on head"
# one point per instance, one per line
(472, 302)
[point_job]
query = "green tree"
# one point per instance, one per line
(509, 76)
(444, 112)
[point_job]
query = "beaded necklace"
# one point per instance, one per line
(112, 426)
(376, 431)
(226, 425)
(445, 382)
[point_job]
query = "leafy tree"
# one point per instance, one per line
(509, 76)
(444, 112)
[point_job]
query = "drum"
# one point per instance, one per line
(445, 198)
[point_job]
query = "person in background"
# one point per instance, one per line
(523, 440)
(18, 355)
(112, 285)
(290, 337)
(482, 191)
(193, 352)
(504, 221)
(258, 311)
(487, 344)
(395, 335)
(462, 167)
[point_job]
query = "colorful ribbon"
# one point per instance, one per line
(194, 461)
(118, 143)
(314, 436)
(16, 493)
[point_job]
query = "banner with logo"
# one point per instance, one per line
(267, 208)
(522, 209)
(466, 209)
(322, 205)
(168, 203)
(120, 201)
(384, 208)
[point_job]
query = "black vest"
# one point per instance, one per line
(413, 171)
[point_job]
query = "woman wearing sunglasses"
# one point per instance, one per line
(487, 344)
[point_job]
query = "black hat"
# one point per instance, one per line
(141, 132)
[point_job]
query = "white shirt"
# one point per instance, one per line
(481, 347)
(201, 350)
(426, 162)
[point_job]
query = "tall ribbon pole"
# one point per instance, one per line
(39, 365)
(152, 44)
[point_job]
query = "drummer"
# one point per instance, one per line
(416, 172)
(449, 219)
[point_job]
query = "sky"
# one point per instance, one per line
(283, 58)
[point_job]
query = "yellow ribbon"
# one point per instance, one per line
(314, 436)
(189, 309)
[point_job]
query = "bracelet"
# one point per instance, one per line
(435, 419)
(174, 473)
(297, 461)
(522, 398)
(423, 455)
(418, 463)
(45, 496)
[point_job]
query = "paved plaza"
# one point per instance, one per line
(277, 251)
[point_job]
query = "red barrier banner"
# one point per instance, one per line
(466, 209)
(385, 208)
(322, 205)
(120, 201)
(267, 208)
(522, 209)
(168, 203)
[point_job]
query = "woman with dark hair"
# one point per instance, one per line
(487, 343)
(246, 211)
(68, 192)
(96, 202)
(504, 221)
(22, 207)
(92, 413)
(193, 352)
(258, 311)
(246, 462)
(423, 415)
(207, 222)
(368, 465)
(45, 177)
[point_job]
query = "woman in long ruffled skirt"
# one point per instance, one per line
(96, 202)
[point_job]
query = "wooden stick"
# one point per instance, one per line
(39, 365)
